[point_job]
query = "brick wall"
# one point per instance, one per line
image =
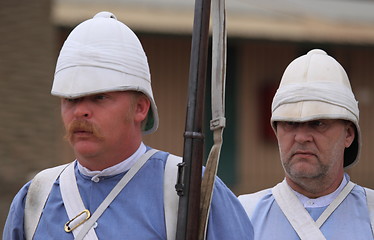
(29, 126)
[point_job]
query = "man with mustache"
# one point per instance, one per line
(315, 119)
(117, 187)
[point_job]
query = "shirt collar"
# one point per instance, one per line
(121, 167)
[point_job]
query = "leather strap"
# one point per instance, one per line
(218, 121)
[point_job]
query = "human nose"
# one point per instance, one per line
(303, 134)
(82, 110)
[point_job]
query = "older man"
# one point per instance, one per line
(115, 188)
(315, 119)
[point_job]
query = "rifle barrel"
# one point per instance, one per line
(189, 201)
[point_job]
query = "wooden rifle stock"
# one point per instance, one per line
(190, 170)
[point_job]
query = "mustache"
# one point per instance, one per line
(82, 126)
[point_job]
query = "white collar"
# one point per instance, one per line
(321, 201)
(121, 167)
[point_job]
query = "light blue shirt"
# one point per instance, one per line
(350, 221)
(136, 213)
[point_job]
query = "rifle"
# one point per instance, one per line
(194, 201)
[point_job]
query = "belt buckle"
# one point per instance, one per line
(67, 227)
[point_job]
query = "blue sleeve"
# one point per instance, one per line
(13, 229)
(227, 219)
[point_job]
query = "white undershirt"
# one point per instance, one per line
(321, 201)
(121, 167)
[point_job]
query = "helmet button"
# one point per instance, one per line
(316, 51)
(105, 15)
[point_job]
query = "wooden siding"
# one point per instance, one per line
(169, 63)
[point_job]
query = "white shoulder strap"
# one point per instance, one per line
(296, 214)
(115, 191)
(249, 201)
(42, 184)
(73, 202)
(37, 196)
(337, 201)
(370, 202)
(171, 199)
(299, 218)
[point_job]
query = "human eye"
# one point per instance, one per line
(319, 125)
(289, 125)
(71, 100)
(99, 97)
(316, 123)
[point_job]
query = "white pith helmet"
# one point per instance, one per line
(103, 55)
(315, 86)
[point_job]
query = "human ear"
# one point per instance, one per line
(142, 105)
(350, 131)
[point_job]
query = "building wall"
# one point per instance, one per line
(359, 67)
(168, 59)
(28, 127)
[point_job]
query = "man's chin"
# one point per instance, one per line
(304, 170)
(83, 148)
(305, 174)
